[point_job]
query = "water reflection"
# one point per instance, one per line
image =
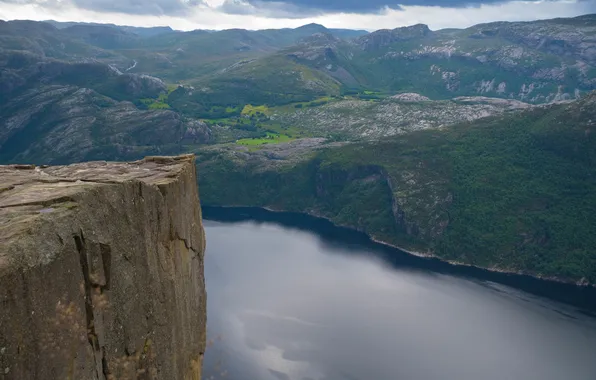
(292, 304)
(344, 241)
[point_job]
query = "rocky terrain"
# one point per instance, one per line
(43, 39)
(536, 62)
(101, 271)
(359, 119)
(60, 124)
(545, 52)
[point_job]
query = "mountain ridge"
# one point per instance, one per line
(419, 138)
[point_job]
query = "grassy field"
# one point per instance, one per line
(258, 125)
(250, 110)
(159, 106)
(291, 131)
(272, 138)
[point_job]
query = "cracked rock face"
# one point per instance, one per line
(101, 271)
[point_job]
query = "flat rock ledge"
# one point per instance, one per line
(101, 271)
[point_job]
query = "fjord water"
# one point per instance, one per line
(295, 298)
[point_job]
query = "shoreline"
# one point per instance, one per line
(492, 270)
(420, 255)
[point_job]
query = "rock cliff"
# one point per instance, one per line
(101, 271)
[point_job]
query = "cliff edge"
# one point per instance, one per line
(101, 271)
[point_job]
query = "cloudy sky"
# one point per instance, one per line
(261, 14)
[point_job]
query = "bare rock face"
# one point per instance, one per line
(142, 85)
(410, 97)
(101, 271)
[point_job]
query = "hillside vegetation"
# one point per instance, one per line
(512, 193)
(474, 145)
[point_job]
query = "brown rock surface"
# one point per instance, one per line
(101, 271)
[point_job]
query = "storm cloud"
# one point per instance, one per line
(152, 7)
(136, 7)
(263, 14)
(265, 8)
(273, 9)
(348, 6)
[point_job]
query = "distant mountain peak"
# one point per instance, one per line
(385, 37)
(422, 28)
(312, 26)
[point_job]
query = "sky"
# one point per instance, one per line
(263, 14)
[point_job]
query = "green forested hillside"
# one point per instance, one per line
(513, 193)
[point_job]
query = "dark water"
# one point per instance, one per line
(292, 297)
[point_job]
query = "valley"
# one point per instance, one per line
(472, 145)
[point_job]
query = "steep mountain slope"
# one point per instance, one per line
(56, 111)
(46, 41)
(536, 62)
(21, 70)
(103, 36)
(189, 55)
(533, 61)
(172, 55)
(275, 81)
(60, 124)
(140, 31)
(511, 193)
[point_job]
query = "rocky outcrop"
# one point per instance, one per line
(101, 271)
(62, 124)
(142, 85)
(385, 37)
(196, 131)
(399, 114)
(410, 97)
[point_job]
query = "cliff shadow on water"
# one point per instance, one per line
(358, 243)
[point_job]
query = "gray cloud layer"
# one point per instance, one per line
(137, 7)
(274, 9)
(304, 8)
(366, 6)
(141, 7)
(313, 7)
(267, 8)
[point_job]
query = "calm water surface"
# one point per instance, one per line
(292, 301)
